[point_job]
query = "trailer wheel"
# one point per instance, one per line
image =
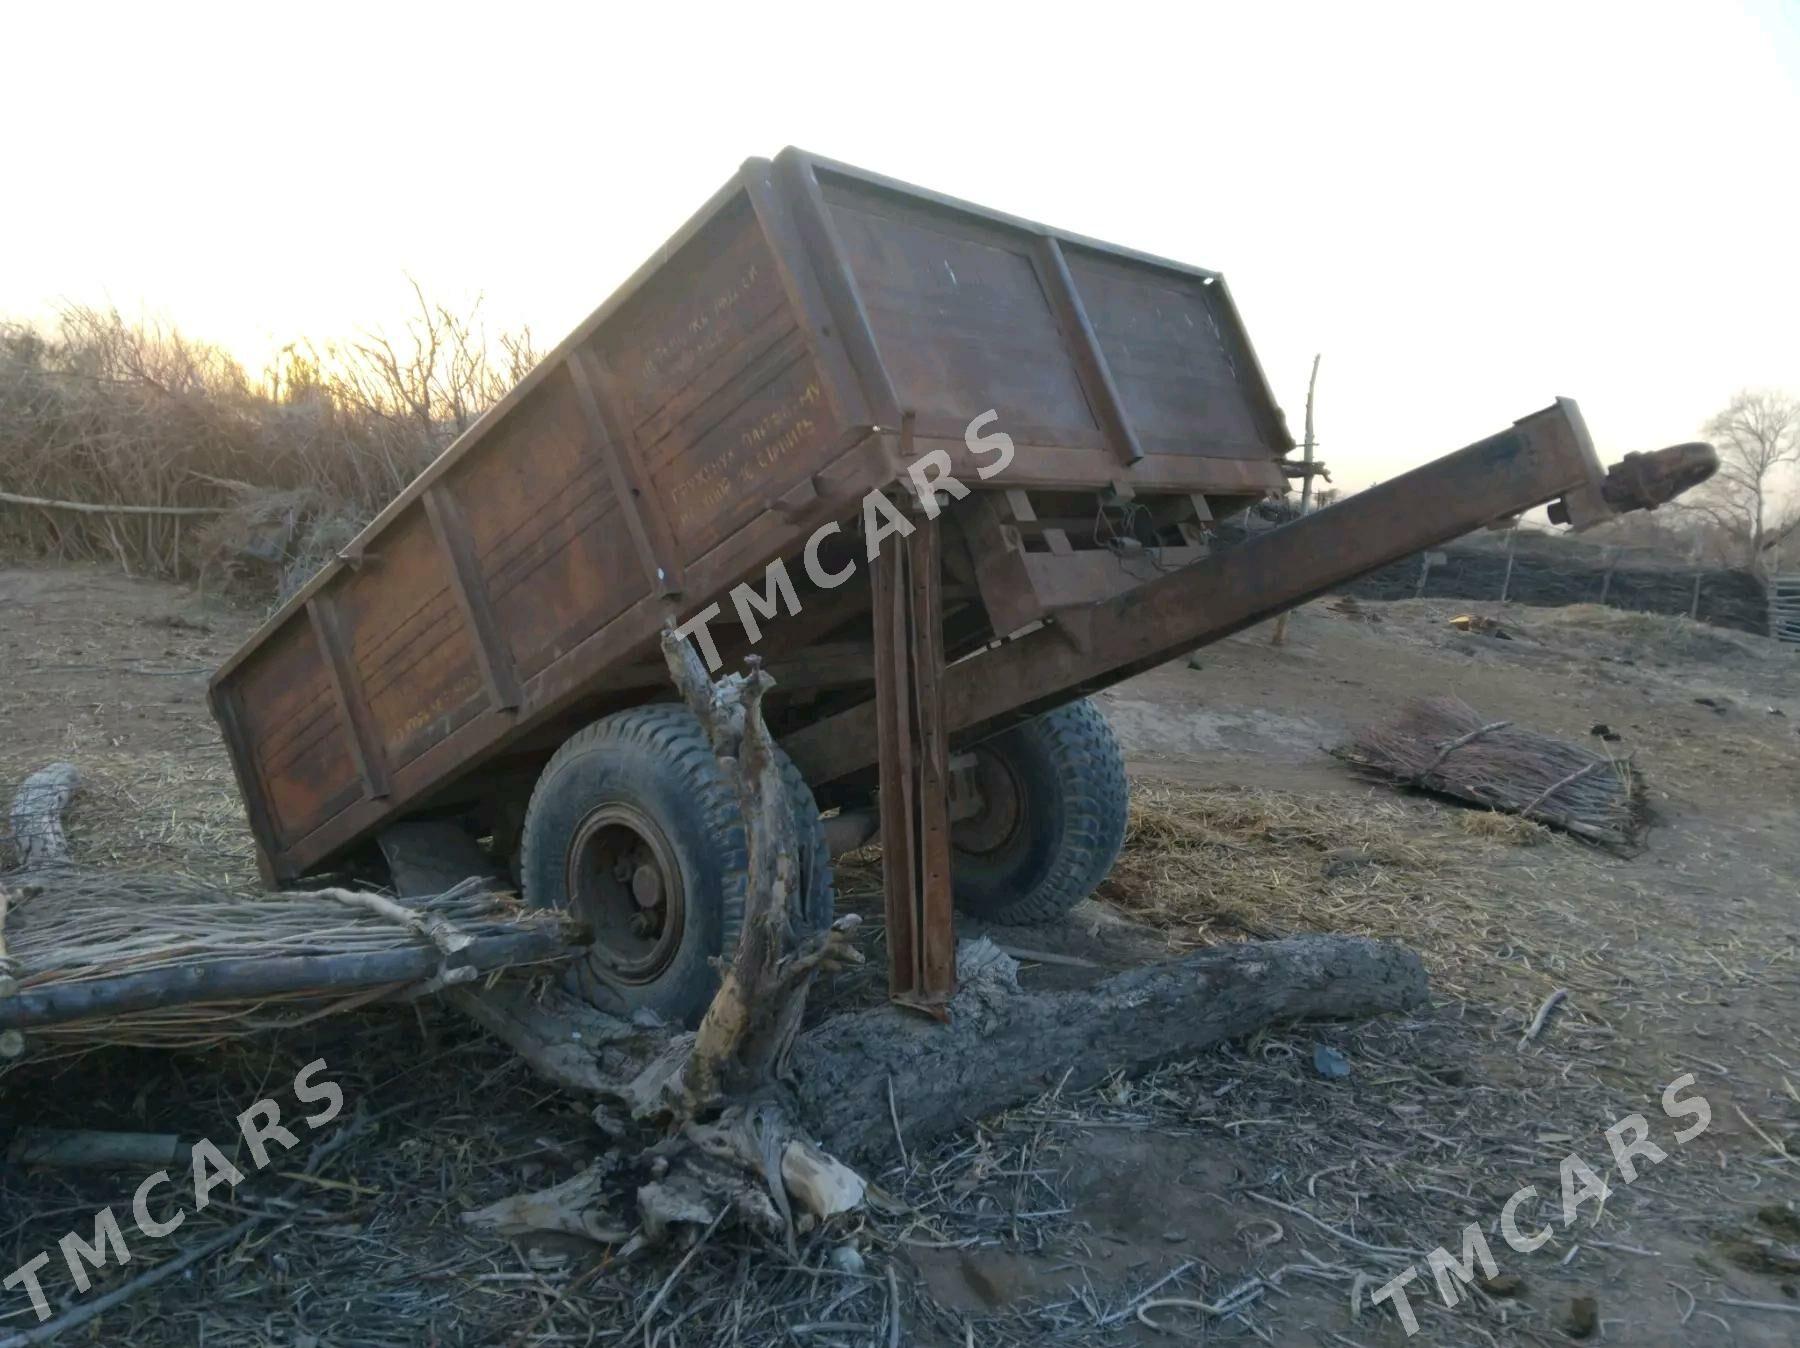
(635, 825)
(1052, 820)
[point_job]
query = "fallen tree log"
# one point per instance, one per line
(37, 811)
(702, 1114)
(1003, 1047)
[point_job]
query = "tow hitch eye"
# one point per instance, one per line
(1643, 481)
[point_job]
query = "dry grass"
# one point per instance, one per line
(111, 677)
(371, 1251)
(103, 411)
(1503, 913)
(1657, 635)
(1442, 1118)
(1204, 865)
(1209, 864)
(1453, 1109)
(1509, 828)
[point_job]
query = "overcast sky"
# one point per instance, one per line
(1467, 209)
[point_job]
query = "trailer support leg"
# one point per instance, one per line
(914, 770)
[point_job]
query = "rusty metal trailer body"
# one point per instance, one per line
(812, 333)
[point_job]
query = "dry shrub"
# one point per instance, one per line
(100, 410)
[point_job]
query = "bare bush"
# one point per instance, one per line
(285, 468)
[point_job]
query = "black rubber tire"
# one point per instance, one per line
(1070, 778)
(657, 759)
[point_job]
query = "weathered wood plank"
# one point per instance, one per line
(471, 591)
(346, 686)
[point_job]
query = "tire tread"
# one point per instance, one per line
(1090, 770)
(672, 735)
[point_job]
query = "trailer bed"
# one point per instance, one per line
(810, 329)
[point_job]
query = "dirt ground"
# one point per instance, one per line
(1244, 1196)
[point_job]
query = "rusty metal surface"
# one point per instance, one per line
(1019, 585)
(1540, 458)
(743, 387)
(914, 771)
(1645, 480)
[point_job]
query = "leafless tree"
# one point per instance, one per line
(1758, 437)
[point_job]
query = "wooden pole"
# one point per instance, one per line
(1694, 604)
(8, 965)
(91, 1149)
(1512, 536)
(1428, 559)
(1306, 482)
(92, 508)
(1279, 635)
(263, 976)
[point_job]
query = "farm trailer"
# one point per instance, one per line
(486, 653)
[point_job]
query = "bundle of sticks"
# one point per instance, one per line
(96, 957)
(1443, 745)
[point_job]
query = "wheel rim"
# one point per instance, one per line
(1002, 814)
(625, 884)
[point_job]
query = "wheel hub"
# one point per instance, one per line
(624, 882)
(997, 808)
